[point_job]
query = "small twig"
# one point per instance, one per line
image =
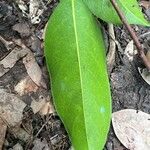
(47, 120)
(34, 137)
(132, 34)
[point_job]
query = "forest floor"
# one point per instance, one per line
(27, 117)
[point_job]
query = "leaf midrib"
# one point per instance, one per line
(78, 55)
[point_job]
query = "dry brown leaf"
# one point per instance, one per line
(11, 108)
(26, 86)
(22, 28)
(33, 69)
(148, 55)
(10, 60)
(37, 105)
(132, 129)
(112, 48)
(145, 4)
(3, 128)
(129, 50)
(47, 108)
(144, 72)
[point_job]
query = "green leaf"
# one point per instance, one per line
(75, 55)
(104, 10)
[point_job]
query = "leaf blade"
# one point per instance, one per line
(105, 11)
(76, 61)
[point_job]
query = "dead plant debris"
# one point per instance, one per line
(27, 116)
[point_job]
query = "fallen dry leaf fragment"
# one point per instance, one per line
(26, 86)
(33, 69)
(144, 72)
(3, 128)
(148, 55)
(132, 128)
(129, 51)
(112, 48)
(22, 28)
(10, 60)
(11, 108)
(47, 108)
(37, 105)
(145, 4)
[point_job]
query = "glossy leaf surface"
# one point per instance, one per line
(104, 10)
(75, 54)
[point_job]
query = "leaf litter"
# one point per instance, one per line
(130, 52)
(27, 86)
(132, 127)
(11, 108)
(130, 91)
(25, 100)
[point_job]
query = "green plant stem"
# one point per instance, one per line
(132, 34)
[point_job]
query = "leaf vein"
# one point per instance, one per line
(78, 55)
